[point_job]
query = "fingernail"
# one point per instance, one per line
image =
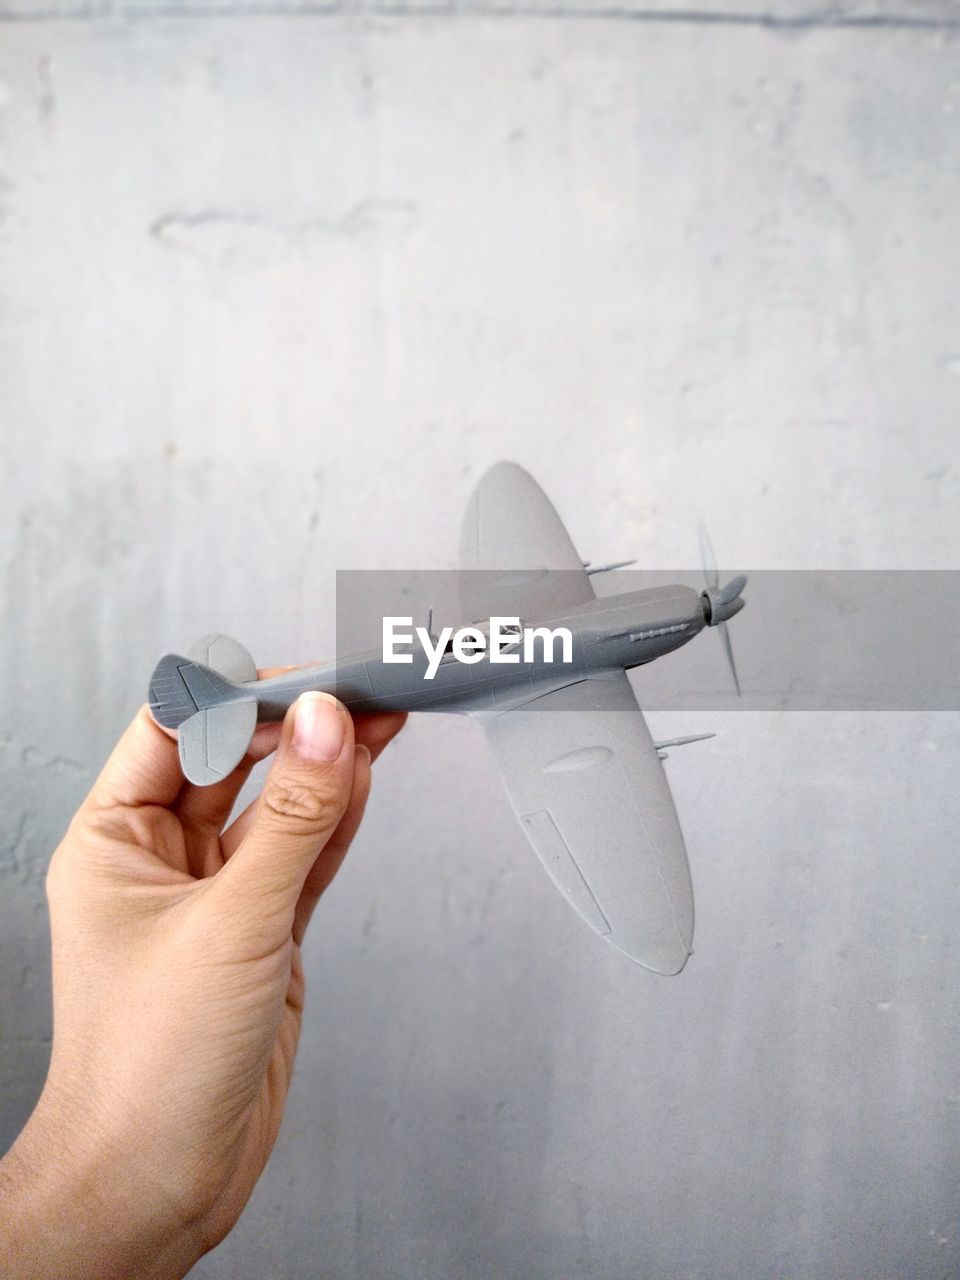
(319, 727)
(361, 753)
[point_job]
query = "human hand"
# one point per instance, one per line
(178, 992)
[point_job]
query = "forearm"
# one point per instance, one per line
(75, 1217)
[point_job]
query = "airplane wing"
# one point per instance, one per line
(585, 781)
(517, 559)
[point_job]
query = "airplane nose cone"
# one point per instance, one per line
(720, 606)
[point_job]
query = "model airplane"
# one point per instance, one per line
(583, 774)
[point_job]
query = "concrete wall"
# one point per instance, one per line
(275, 289)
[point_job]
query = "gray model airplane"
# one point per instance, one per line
(583, 774)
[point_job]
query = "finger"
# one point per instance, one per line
(143, 769)
(377, 730)
(374, 731)
(328, 863)
(305, 796)
(204, 810)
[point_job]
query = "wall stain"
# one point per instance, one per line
(236, 235)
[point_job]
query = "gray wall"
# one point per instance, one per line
(275, 289)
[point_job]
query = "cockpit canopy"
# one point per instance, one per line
(510, 634)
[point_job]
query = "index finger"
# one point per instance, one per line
(143, 768)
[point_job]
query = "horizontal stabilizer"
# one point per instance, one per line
(214, 717)
(225, 655)
(215, 740)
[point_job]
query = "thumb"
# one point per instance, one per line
(305, 795)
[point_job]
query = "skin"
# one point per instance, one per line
(178, 993)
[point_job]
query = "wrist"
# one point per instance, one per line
(74, 1212)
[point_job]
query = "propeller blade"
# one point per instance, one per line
(728, 650)
(708, 560)
(724, 603)
(732, 589)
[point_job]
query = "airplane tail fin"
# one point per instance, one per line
(215, 717)
(179, 688)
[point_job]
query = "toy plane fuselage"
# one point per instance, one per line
(610, 634)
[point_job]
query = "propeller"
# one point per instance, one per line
(720, 603)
